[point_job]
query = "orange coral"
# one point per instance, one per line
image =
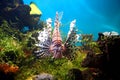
(6, 68)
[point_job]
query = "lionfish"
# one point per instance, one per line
(51, 44)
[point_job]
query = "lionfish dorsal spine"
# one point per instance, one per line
(56, 33)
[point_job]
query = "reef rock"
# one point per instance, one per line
(107, 61)
(18, 14)
(43, 76)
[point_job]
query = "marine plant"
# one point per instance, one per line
(88, 44)
(8, 43)
(56, 67)
(12, 50)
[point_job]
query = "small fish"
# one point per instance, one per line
(34, 9)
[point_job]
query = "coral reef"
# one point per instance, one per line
(107, 60)
(18, 14)
(21, 52)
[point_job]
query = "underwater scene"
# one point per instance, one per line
(59, 39)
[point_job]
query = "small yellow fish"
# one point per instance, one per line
(34, 9)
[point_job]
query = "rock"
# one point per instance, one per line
(74, 74)
(44, 76)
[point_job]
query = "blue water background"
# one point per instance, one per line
(92, 16)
